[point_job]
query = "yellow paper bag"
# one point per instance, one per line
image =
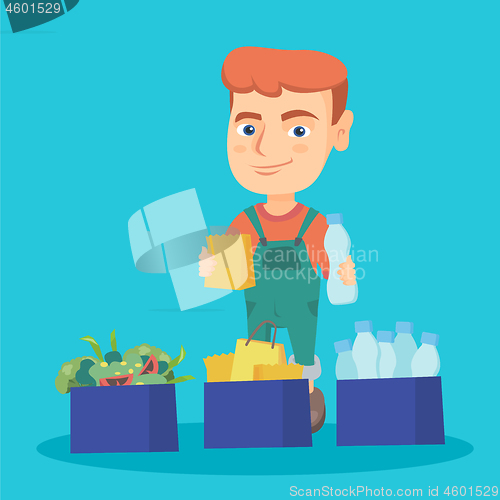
(234, 270)
(277, 372)
(219, 367)
(255, 352)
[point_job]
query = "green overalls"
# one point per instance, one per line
(286, 291)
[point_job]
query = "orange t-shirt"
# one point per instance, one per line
(286, 227)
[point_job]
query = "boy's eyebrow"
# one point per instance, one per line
(247, 114)
(296, 112)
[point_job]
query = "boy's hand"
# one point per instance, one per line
(207, 263)
(347, 272)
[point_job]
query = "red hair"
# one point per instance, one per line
(268, 71)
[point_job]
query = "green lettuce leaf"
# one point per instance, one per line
(95, 346)
(178, 359)
(180, 379)
(113, 341)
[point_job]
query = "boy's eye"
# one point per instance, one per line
(246, 129)
(299, 131)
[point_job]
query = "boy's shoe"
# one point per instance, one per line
(318, 410)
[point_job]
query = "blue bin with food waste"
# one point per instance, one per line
(122, 404)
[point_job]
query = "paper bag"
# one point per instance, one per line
(219, 367)
(234, 269)
(255, 352)
(277, 372)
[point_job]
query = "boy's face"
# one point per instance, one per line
(279, 145)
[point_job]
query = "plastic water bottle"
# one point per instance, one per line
(345, 368)
(387, 362)
(405, 348)
(338, 247)
(426, 361)
(366, 351)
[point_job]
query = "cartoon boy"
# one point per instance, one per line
(287, 113)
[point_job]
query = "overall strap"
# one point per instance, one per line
(310, 216)
(254, 219)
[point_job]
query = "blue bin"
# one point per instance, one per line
(135, 418)
(257, 414)
(390, 411)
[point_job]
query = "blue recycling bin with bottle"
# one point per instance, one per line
(391, 411)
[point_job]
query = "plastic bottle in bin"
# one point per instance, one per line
(366, 351)
(345, 368)
(426, 361)
(338, 247)
(387, 355)
(405, 348)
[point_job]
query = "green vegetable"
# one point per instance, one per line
(87, 370)
(178, 359)
(82, 375)
(133, 365)
(94, 345)
(112, 356)
(147, 350)
(169, 374)
(162, 367)
(113, 341)
(66, 378)
(180, 379)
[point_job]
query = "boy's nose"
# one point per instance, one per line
(258, 143)
(266, 142)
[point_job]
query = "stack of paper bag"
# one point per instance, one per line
(256, 361)
(219, 367)
(277, 372)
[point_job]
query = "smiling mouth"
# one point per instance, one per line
(267, 173)
(270, 166)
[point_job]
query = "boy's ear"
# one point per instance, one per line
(339, 133)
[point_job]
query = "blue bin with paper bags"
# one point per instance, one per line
(257, 414)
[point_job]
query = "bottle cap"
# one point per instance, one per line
(334, 219)
(383, 336)
(430, 338)
(363, 326)
(343, 345)
(404, 327)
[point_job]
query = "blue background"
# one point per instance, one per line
(117, 104)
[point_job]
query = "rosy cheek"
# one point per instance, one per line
(300, 148)
(239, 149)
